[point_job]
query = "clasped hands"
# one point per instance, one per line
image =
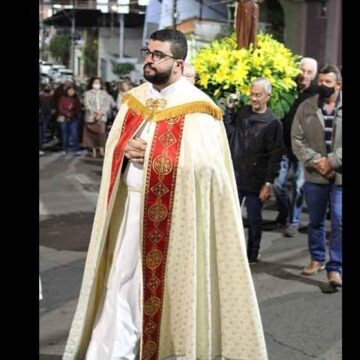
(97, 115)
(135, 150)
(324, 168)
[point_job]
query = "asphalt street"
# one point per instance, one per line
(301, 320)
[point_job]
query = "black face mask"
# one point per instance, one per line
(325, 92)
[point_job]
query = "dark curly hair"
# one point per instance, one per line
(176, 38)
(328, 68)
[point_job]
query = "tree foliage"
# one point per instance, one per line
(122, 69)
(90, 54)
(60, 48)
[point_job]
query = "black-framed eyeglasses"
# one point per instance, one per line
(155, 55)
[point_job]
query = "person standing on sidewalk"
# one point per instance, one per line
(256, 144)
(290, 206)
(123, 87)
(316, 137)
(69, 114)
(55, 127)
(46, 111)
(96, 102)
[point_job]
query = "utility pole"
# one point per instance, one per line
(121, 37)
(174, 14)
(73, 37)
(42, 30)
(123, 8)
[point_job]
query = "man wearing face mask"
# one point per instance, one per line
(316, 136)
(166, 275)
(290, 205)
(96, 102)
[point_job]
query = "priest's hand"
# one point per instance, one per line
(135, 150)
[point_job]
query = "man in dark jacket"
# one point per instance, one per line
(290, 206)
(256, 145)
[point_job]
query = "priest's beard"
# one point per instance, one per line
(158, 78)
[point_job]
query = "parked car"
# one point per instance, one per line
(54, 72)
(45, 67)
(66, 74)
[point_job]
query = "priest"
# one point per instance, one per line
(166, 275)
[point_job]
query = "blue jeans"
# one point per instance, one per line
(289, 209)
(40, 135)
(317, 198)
(45, 121)
(69, 129)
(253, 208)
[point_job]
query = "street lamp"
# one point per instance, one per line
(174, 14)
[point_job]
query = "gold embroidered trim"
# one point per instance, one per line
(159, 192)
(151, 113)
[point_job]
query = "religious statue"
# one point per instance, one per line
(246, 22)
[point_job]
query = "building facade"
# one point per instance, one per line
(308, 27)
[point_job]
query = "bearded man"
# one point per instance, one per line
(166, 275)
(316, 138)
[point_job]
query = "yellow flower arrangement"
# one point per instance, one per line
(223, 69)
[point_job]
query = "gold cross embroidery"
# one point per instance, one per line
(155, 105)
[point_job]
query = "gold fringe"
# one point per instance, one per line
(135, 105)
(180, 110)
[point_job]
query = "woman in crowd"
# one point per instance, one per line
(96, 102)
(69, 112)
(123, 87)
(46, 111)
(112, 110)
